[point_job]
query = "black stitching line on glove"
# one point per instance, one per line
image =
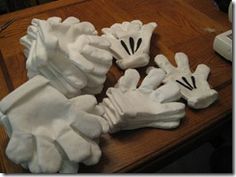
(138, 43)
(186, 84)
(131, 45)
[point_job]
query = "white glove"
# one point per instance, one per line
(130, 42)
(128, 107)
(193, 86)
(68, 53)
(48, 132)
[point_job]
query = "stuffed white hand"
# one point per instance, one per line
(48, 132)
(130, 42)
(129, 107)
(193, 86)
(68, 53)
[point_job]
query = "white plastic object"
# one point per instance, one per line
(193, 86)
(130, 42)
(223, 45)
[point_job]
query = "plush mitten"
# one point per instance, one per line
(68, 53)
(48, 132)
(128, 107)
(193, 86)
(130, 42)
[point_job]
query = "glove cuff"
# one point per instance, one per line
(22, 91)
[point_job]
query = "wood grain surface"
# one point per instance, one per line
(183, 25)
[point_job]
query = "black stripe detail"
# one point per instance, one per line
(184, 85)
(125, 47)
(186, 81)
(193, 81)
(138, 44)
(131, 43)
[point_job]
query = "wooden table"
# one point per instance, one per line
(183, 25)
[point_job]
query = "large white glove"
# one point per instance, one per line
(128, 107)
(130, 42)
(68, 53)
(48, 132)
(193, 86)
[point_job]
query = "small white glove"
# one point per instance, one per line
(130, 42)
(128, 107)
(193, 86)
(68, 53)
(49, 133)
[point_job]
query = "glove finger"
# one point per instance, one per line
(32, 32)
(171, 109)
(54, 20)
(35, 21)
(84, 28)
(182, 61)
(134, 25)
(99, 111)
(92, 90)
(149, 28)
(165, 114)
(129, 81)
(71, 20)
(69, 167)
(97, 41)
(84, 103)
(20, 147)
(80, 61)
(117, 30)
(25, 42)
(164, 63)
(49, 158)
(107, 32)
(167, 93)
(154, 124)
(34, 166)
(94, 80)
(44, 32)
(26, 52)
(95, 154)
(75, 146)
(153, 79)
(97, 55)
(164, 125)
(202, 71)
(88, 124)
(101, 69)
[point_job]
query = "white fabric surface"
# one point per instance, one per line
(48, 132)
(193, 86)
(68, 53)
(128, 107)
(130, 42)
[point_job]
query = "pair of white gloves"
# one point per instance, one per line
(128, 106)
(49, 132)
(68, 53)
